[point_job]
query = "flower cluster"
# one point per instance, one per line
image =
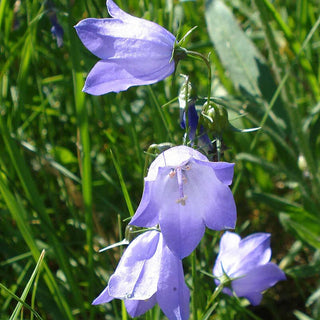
(184, 192)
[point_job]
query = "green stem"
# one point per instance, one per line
(195, 286)
(161, 112)
(218, 147)
(215, 294)
(207, 62)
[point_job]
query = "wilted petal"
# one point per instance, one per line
(192, 120)
(132, 279)
(173, 295)
(256, 281)
(136, 308)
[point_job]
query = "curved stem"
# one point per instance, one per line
(207, 62)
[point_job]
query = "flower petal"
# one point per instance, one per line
(174, 157)
(111, 38)
(116, 12)
(104, 297)
(181, 224)
(228, 254)
(173, 295)
(137, 274)
(239, 260)
(138, 307)
(229, 241)
(147, 212)
(223, 171)
(213, 199)
(258, 280)
(146, 27)
(254, 250)
(112, 76)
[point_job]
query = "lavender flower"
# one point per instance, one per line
(56, 29)
(133, 51)
(184, 192)
(148, 273)
(247, 262)
(204, 141)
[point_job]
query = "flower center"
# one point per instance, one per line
(181, 177)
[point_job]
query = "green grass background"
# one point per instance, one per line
(71, 164)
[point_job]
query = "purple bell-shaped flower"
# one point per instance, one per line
(148, 273)
(133, 51)
(184, 193)
(246, 262)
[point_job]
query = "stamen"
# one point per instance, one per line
(172, 173)
(182, 179)
(180, 184)
(182, 200)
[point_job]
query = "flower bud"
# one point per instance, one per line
(215, 118)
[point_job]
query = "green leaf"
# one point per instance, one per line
(301, 316)
(22, 299)
(304, 225)
(63, 155)
(237, 53)
(303, 271)
(243, 62)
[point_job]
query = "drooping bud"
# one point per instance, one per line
(215, 118)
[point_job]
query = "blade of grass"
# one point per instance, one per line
(18, 213)
(296, 47)
(296, 119)
(14, 287)
(20, 301)
(85, 150)
(3, 5)
(19, 164)
(122, 183)
(161, 113)
(26, 290)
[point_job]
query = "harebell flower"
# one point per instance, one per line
(133, 51)
(246, 263)
(184, 193)
(148, 273)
